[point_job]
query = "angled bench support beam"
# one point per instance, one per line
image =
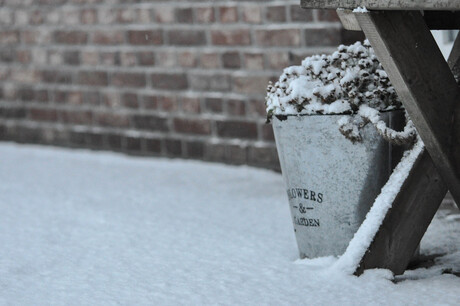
(407, 220)
(424, 82)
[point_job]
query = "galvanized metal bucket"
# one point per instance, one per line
(331, 182)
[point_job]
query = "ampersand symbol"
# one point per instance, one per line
(302, 209)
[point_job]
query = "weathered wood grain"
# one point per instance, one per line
(424, 82)
(454, 59)
(406, 222)
(442, 20)
(448, 5)
(435, 20)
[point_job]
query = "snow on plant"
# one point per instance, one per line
(350, 81)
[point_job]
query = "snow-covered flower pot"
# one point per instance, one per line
(332, 119)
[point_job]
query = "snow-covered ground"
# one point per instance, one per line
(85, 228)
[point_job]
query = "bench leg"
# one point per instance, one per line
(424, 82)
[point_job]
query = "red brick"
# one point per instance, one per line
(70, 17)
(164, 14)
(276, 13)
(93, 78)
(114, 141)
(130, 100)
(210, 60)
(9, 37)
(23, 56)
(169, 81)
(41, 95)
(36, 17)
(152, 145)
(173, 147)
(267, 132)
(95, 140)
(36, 37)
(128, 59)
(191, 105)
(231, 60)
(195, 149)
(187, 59)
(106, 16)
(327, 15)
(215, 152)
(143, 15)
(42, 114)
(70, 37)
(132, 144)
(250, 84)
(277, 60)
(68, 97)
(111, 99)
(88, 16)
(75, 116)
(190, 126)
(149, 102)
(126, 15)
(128, 79)
(91, 98)
(53, 76)
(263, 156)
(90, 57)
(254, 61)
(211, 82)
(12, 112)
(25, 94)
(184, 15)
(7, 55)
(109, 58)
(322, 37)
(280, 37)
(231, 37)
(168, 104)
(187, 37)
(150, 122)
(297, 56)
(111, 119)
(108, 37)
(251, 13)
(146, 58)
(165, 58)
(71, 57)
(300, 15)
(25, 75)
(237, 129)
(228, 14)
(256, 108)
(213, 105)
(204, 14)
(236, 107)
(145, 37)
(53, 17)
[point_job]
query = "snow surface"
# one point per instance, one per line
(86, 228)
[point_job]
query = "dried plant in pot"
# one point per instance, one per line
(339, 127)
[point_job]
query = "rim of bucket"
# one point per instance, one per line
(284, 117)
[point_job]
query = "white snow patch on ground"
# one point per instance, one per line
(86, 228)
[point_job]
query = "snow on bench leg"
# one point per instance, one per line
(398, 218)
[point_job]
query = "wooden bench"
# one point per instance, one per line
(399, 31)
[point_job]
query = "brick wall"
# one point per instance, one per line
(165, 78)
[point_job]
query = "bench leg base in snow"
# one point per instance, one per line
(429, 92)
